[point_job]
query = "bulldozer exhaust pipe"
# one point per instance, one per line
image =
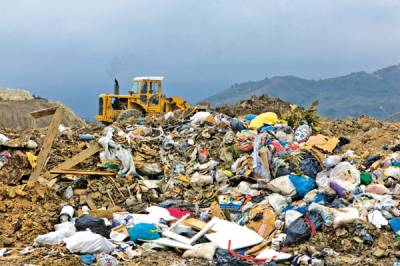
(116, 87)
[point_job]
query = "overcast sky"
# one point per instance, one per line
(71, 50)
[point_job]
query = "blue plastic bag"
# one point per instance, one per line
(303, 184)
(87, 259)
(249, 117)
(237, 125)
(144, 231)
(267, 128)
(395, 224)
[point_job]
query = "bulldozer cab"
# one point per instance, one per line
(148, 90)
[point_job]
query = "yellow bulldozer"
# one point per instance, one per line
(145, 98)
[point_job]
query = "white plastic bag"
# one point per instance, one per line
(344, 216)
(158, 213)
(325, 212)
(88, 242)
(291, 216)
(323, 181)
(282, 185)
(203, 251)
(3, 138)
(244, 189)
(278, 202)
(113, 150)
(61, 232)
(260, 160)
(197, 180)
(199, 118)
(270, 255)
(332, 160)
(168, 116)
(376, 218)
(345, 175)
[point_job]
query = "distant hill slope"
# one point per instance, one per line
(16, 105)
(374, 94)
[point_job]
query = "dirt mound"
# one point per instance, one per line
(15, 95)
(26, 212)
(368, 136)
(256, 105)
(16, 105)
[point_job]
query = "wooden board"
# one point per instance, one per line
(83, 155)
(51, 134)
(195, 223)
(44, 112)
(79, 172)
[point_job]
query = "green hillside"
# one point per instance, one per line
(374, 94)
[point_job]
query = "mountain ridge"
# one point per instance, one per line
(375, 94)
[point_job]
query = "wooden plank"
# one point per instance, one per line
(80, 157)
(79, 172)
(195, 223)
(51, 134)
(44, 112)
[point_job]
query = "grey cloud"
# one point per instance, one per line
(59, 49)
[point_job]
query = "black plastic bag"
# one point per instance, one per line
(223, 258)
(299, 230)
(310, 166)
(96, 225)
(343, 140)
(371, 159)
(395, 148)
(281, 171)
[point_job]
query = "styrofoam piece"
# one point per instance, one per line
(170, 243)
(240, 236)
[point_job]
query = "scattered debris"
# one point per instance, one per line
(207, 186)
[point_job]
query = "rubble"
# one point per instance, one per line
(207, 186)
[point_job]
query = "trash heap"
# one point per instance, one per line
(228, 190)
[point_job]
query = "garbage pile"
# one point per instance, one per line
(206, 186)
(255, 105)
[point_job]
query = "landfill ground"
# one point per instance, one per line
(28, 211)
